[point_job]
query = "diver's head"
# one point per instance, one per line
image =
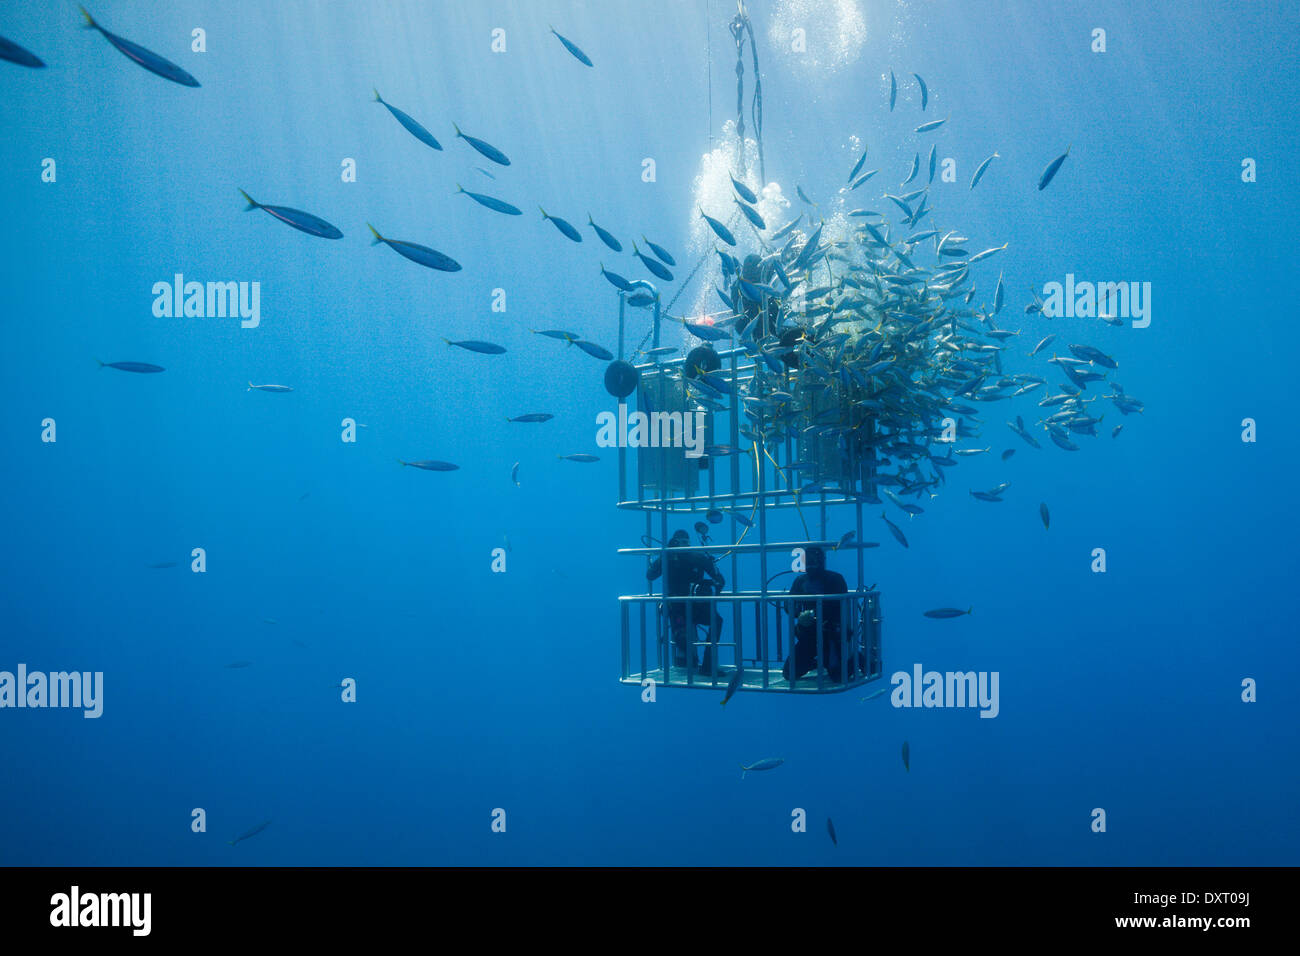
(815, 558)
(680, 539)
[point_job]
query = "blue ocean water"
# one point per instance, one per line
(478, 690)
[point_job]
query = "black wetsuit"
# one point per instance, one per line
(687, 574)
(805, 654)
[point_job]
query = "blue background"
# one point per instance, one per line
(479, 690)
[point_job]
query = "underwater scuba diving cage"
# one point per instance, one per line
(823, 435)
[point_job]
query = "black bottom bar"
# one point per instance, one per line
(899, 906)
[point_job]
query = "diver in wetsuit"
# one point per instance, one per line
(687, 575)
(805, 656)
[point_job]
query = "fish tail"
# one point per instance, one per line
(971, 609)
(101, 364)
(457, 129)
(250, 387)
(460, 188)
(90, 21)
(252, 203)
(378, 238)
(448, 341)
(402, 463)
(544, 216)
(743, 768)
(231, 842)
(378, 98)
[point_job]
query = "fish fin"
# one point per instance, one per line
(378, 98)
(252, 203)
(90, 23)
(378, 238)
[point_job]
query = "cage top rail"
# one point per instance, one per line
(745, 361)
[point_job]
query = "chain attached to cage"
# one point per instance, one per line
(737, 28)
(740, 28)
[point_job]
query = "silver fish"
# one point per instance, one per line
(1047, 340)
(1050, 172)
(767, 763)
(733, 685)
(979, 173)
(253, 832)
(893, 529)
